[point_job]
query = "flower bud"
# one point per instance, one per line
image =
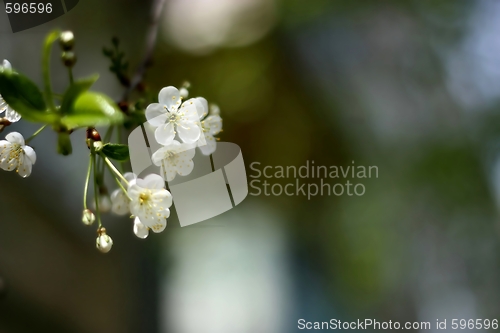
(184, 92)
(67, 40)
(214, 109)
(69, 59)
(140, 230)
(103, 241)
(88, 217)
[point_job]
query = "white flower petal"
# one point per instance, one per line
(154, 182)
(140, 230)
(165, 134)
(189, 132)
(185, 168)
(170, 97)
(189, 110)
(159, 155)
(202, 107)
(119, 202)
(12, 115)
(30, 153)
(159, 226)
(187, 151)
(168, 172)
(3, 105)
(156, 114)
(213, 124)
(15, 137)
(210, 146)
(129, 176)
(164, 199)
(24, 169)
(4, 146)
(8, 164)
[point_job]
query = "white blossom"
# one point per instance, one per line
(15, 155)
(171, 116)
(211, 126)
(10, 114)
(104, 243)
(119, 199)
(150, 202)
(140, 230)
(173, 159)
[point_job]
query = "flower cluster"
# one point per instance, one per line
(146, 199)
(10, 114)
(191, 122)
(181, 126)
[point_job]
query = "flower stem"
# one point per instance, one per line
(96, 191)
(117, 180)
(114, 169)
(96, 185)
(36, 133)
(87, 180)
(119, 138)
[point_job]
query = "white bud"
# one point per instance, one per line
(140, 230)
(214, 109)
(88, 217)
(184, 92)
(104, 243)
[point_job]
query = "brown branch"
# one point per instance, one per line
(151, 37)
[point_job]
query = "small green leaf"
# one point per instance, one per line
(116, 151)
(92, 109)
(75, 90)
(24, 97)
(47, 50)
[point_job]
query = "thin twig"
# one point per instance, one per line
(151, 38)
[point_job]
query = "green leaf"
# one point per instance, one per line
(47, 50)
(75, 90)
(23, 96)
(92, 109)
(116, 151)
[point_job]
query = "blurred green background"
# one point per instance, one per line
(411, 87)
